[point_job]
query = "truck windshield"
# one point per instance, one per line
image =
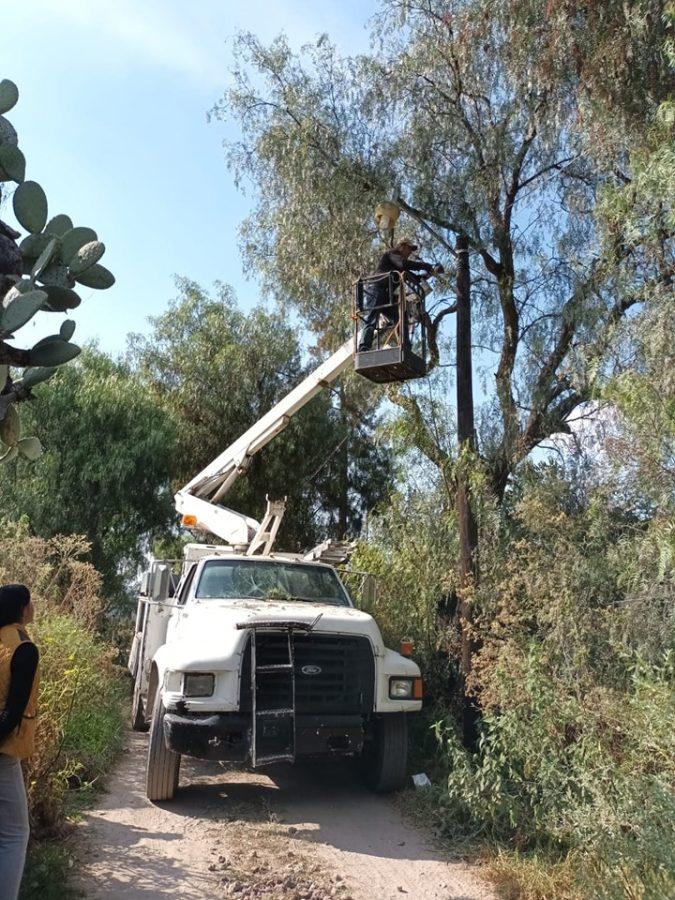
(238, 579)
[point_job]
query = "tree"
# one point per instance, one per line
(39, 275)
(216, 371)
(469, 116)
(452, 118)
(106, 467)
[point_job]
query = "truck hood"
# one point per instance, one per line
(206, 635)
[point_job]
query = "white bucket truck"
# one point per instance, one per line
(257, 656)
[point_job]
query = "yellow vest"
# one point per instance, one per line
(19, 742)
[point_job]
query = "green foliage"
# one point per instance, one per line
(46, 873)
(81, 692)
(482, 119)
(572, 785)
(78, 669)
(411, 550)
(106, 467)
(39, 275)
(216, 371)
(644, 395)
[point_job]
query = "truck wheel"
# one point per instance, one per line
(385, 758)
(138, 720)
(163, 764)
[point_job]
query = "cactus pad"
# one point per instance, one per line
(30, 206)
(59, 225)
(10, 427)
(9, 454)
(9, 94)
(35, 375)
(53, 351)
(67, 329)
(33, 245)
(22, 286)
(12, 163)
(86, 257)
(96, 277)
(58, 276)
(72, 240)
(60, 299)
(8, 134)
(21, 310)
(43, 261)
(30, 447)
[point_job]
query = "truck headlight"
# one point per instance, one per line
(405, 688)
(198, 684)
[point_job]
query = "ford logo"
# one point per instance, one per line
(311, 670)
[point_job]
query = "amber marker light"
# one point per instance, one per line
(189, 521)
(418, 690)
(407, 647)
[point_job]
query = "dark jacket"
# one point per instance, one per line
(392, 261)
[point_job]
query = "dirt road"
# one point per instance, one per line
(290, 834)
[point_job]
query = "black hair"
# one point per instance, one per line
(14, 598)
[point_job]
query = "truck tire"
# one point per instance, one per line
(385, 758)
(138, 720)
(163, 769)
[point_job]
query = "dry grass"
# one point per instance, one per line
(80, 717)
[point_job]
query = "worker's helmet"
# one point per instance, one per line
(406, 241)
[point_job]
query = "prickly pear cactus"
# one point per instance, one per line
(38, 275)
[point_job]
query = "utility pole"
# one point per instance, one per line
(468, 530)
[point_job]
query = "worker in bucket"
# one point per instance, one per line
(376, 287)
(18, 706)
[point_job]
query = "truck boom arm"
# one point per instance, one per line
(200, 497)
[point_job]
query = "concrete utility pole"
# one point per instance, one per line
(466, 440)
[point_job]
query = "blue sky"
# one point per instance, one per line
(112, 121)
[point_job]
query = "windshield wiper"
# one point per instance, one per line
(291, 598)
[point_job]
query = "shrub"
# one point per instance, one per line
(573, 779)
(79, 709)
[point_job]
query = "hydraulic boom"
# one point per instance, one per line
(199, 500)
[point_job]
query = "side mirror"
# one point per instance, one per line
(362, 588)
(368, 591)
(145, 584)
(160, 582)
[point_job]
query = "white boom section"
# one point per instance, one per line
(200, 497)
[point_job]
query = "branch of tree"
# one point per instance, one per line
(432, 333)
(423, 438)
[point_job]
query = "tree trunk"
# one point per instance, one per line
(468, 531)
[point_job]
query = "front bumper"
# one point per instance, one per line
(227, 736)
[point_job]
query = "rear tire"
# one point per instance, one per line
(138, 720)
(163, 769)
(385, 760)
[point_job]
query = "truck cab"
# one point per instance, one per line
(265, 659)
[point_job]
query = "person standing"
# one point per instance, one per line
(376, 291)
(19, 679)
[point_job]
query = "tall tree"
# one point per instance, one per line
(452, 117)
(106, 467)
(216, 371)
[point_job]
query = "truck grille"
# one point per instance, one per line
(344, 683)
